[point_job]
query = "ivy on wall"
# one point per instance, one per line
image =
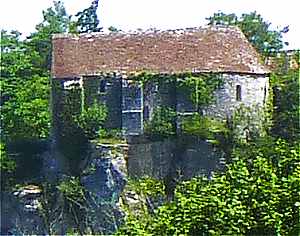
(200, 87)
(87, 118)
(162, 124)
(248, 123)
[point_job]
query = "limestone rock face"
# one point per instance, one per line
(104, 179)
(105, 174)
(20, 212)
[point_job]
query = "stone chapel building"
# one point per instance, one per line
(102, 66)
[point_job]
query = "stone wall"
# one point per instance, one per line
(254, 93)
(66, 136)
(199, 157)
(131, 103)
(66, 101)
(154, 159)
(183, 157)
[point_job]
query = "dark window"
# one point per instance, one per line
(265, 93)
(238, 93)
(146, 112)
(102, 86)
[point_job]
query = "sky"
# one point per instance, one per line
(23, 15)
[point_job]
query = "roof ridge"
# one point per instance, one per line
(147, 31)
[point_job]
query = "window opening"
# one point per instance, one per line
(265, 93)
(238, 92)
(102, 86)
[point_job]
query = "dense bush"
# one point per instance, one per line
(286, 105)
(257, 195)
(206, 128)
(91, 120)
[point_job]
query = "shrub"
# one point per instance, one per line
(204, 127)
(91, 120)
(162, 124)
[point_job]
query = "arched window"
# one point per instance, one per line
(239, 93)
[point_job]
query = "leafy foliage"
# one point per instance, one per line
(71, 189)
(88, 20)
(286, 104)
(256, 29)
(17, 60)
(91, 119)
(26, 114)
(201, 88)
(25, 74)
(55, 20)
(147, 186)
(111, 136)
(162, 123)
(204, 127)
(257, 195)
(248, 123)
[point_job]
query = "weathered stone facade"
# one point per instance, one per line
(253, 92)
(130, 103)
(179, 158)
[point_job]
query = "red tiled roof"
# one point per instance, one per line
(211, 49)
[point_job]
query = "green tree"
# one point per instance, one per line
(257, 195)
(55, 20)
(26, 115)
(24, 91)
(25, 75)
(87, 20)
(286, 105)
(256, 29)
(91, 120)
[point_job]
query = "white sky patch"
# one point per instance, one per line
(162, 14)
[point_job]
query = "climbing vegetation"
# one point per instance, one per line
(197, 89)
(162, 124)
(146, 186)
(200, 88)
